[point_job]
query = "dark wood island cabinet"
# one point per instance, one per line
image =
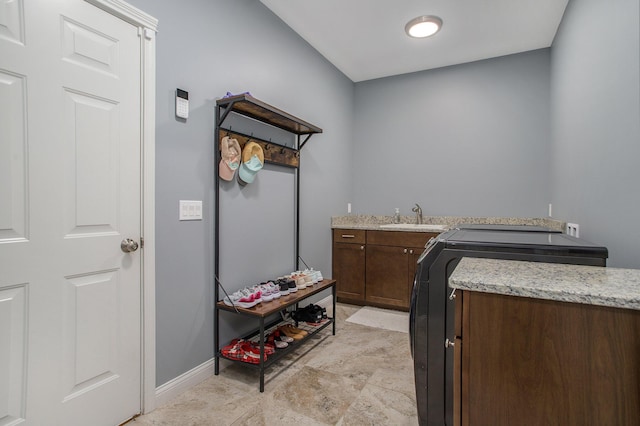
(523, 361)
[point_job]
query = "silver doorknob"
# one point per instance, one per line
(128, 245)
(449, 344)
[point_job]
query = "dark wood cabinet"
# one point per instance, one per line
(391, 265)
(376, 267)
(531, 361)
(348, 260)
(387, 268)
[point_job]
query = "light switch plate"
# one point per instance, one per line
(190, 210)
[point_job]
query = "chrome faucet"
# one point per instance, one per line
(418, 211)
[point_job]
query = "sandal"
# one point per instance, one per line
(279, 344)
(269, 349)
(252, 351)
(233, 350)
(278, 334)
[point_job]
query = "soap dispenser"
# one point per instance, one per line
(396, 216)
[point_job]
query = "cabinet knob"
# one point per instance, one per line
(361, 247)
(405, 251)
(448, 344)
(410, 251)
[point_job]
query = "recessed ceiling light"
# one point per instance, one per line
(423, 26)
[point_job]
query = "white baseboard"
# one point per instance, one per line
(184, 382)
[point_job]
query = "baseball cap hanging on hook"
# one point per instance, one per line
(252, 162)
(230, 158)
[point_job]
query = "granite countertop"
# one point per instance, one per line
(592, 285)
(372, 222)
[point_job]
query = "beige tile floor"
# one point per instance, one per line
(360, 376)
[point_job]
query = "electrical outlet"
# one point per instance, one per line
(573, 229)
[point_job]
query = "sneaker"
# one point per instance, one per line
(312, 276)
(275, 289)
(292, 285)
(241, 300)
(252, 294)
(267, 294)
(308, 279)
(318, 275)
(284, 287)
(299, 279)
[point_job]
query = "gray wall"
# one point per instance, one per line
(502, 137)
(466, 140)
(209, 47)
(596, 124)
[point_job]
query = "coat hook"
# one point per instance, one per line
(267, 147)
(282, 150)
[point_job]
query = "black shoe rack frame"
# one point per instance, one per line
(267, 309)
(274, 153)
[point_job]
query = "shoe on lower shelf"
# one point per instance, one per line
(292, 329)
(290, 333)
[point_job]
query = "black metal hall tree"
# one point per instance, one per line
(274, 153)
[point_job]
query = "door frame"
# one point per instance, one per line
(147, 29)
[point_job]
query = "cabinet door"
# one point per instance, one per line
(349, 270)
(387, 276)
(549, 362)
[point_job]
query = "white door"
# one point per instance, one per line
(70, 192)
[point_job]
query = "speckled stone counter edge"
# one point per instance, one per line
(373, 222)
(592, 285)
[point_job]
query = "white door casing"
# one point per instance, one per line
(74, 136)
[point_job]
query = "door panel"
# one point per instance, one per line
(13, 168)
(90, 332)
(91, 180)
(13, 366)
(12, 21)
(84, 46)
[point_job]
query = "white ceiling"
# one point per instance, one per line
(365, 39)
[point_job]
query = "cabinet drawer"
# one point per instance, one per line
(399, 239)
(355, 236)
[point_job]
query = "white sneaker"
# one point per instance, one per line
(301, 283)
(275, 290)
(239, 298)
(267, 293)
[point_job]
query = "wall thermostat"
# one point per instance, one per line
(182, 103)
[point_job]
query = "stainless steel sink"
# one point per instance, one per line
(415, 226)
